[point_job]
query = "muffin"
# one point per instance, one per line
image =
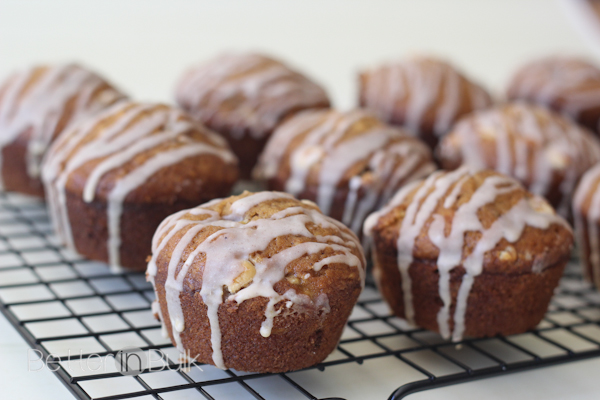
(36, 105)
(259, 282)
(586, 215)
(348, 163)
(546, 152)
(469, 253)
(569, 85)
(422, 94)
(244, 97)
(112, 179)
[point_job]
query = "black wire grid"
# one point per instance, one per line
(61, 303)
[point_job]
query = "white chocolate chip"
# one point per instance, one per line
(244, 278)
(179, 324)
(557, 158)
(293, 280)
(487, 133)
(508, 254)
(540, 205)
(307, 157)
(310, 203)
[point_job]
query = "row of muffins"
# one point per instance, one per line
(511, 244)
(139, 152)
(246, 97)
(110, 179)
(114, 165)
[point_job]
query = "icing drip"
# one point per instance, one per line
(421, 87)
(570, 82)
(228, 251)
(589, 249)
(334, 143)
(423, 95)
(311, 151)
(342, 157)
(269, 88)
(39, 98)
(139, 129)
(354, 185)
(137, 178)
(418, 212)
(440, 191)
(531, 144)
(451, 246)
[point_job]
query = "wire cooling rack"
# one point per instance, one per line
(78, 315)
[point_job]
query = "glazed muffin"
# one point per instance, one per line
(568, 85)
(258, 282)
(422, 94)
(469, 253)
(586, 215)
(244, 97)
(348, 163)
(112, 179)
(546, 152)
(36, 105)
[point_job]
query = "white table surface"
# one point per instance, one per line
(575, 381)
(144, 45)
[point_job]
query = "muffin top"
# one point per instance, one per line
(527, 142)
(246, 93)
(474, 218)
(328, 150)
(137, 152)
(568, 84)
(423, 94)
(477, 220)
(38, 103)
(264, 244)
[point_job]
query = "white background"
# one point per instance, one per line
(143, 46)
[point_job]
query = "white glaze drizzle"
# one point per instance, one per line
(549, 79)
(271, 158)
(421, 85)
(269, 88)
(446, 187)
(132, 134)
(589, 251)
(310, 152)
(40, 105)
(393, 159)
(342, 157)
(226, 249)
(532, 145)
(55, 173)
